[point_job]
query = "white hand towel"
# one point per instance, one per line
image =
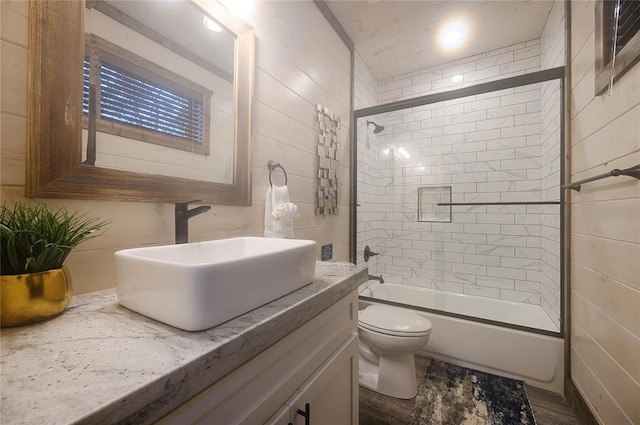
(279, 213)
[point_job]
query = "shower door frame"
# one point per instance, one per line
(551, 74)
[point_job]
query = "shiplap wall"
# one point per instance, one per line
(300, 61)
(605, 234)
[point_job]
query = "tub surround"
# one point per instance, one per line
(101, 363)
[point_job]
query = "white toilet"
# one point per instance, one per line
(388, 338)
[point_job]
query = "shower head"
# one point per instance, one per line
(376, 128)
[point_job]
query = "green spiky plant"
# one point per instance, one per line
(39, 238)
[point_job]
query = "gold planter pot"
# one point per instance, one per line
(33, 297)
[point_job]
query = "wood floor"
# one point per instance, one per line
(376, 409)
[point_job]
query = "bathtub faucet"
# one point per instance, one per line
(378, 278)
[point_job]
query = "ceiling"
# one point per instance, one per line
(395, 37)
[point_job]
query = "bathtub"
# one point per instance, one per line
(534, 358)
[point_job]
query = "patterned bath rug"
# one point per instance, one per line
(455, 395)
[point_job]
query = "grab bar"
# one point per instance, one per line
(631, 172)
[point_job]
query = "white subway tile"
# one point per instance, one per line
(469, 117)
(520, 230)
(505, 111)
(501, 122)
(523, 130)
(481, 197)
(475, 269)
(520, 164)
(509, 142)
(406, 262)
(426, 77)
(520, 263)
(521, 65)
(449, 257)
(449, 286)
(528, 285)
(467, 279)
(488, 135)
(507, 240)
(492, 71)
(465, 248)
(503, 186)
(460, 128)
(496, 218)
(417, 281)
(498, 154)
(527, 52)
(515, 98)
(533, 253)
(469, 147)
(506, 273)
(469, 177)
(530, 118)
(495, 282)
(482, 105)
(479, 166)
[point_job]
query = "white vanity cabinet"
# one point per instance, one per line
(311, 372)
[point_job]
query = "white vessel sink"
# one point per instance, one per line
(199, 285)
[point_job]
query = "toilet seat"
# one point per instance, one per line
(393, 321)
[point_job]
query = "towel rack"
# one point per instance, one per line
(272, 166)
(631, 172)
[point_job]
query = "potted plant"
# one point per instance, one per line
(35, 241)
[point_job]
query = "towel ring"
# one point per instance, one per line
(272, 166)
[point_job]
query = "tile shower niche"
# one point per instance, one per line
(428, 200)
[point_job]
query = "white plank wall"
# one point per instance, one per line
(605, 234)
(300, 61)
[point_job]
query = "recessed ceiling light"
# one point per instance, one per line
(453, 34)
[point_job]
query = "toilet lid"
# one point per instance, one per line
(393, 321)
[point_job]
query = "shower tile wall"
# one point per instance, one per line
(495, 147)
(487, 147)
(506, 62)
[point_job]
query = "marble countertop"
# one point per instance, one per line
(100, 363)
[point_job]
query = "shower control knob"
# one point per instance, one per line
(368, 253)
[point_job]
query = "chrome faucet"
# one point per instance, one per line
(183, 214)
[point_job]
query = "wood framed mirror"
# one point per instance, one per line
(61, 162)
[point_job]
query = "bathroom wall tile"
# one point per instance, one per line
(520, 263)
(487, 260)
(472, 145)
(496, 250)
(495, 282)
(509, 273)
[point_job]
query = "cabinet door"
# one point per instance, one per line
(330, 396)
(253, 392)
(281, 417)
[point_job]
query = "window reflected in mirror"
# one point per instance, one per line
(158, 97)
